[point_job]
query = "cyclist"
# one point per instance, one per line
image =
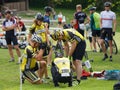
(30, 64)
(9, 26)
(79, 18)
(108, 18)
(95, 26)
(40, 29)
(77, 49)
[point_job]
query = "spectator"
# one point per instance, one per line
(95, 26)
(9, 26)
(108, 26)
(21, 25)
(60, 17)
(79, 18)
(89, 35)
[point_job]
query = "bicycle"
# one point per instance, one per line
(114, 46)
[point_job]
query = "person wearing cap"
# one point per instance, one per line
(48, 11)
(95, 26)
(40, 28)
(79, 19)
(21, 25)
(30, 64)
(77, 50)
(9, 26)
(108, 28)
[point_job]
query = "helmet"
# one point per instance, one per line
(92, 8)
(39, 16)
(107, 4)
(48, 9)
(36, 38)
(56, 34)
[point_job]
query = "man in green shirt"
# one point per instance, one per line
(95, 26)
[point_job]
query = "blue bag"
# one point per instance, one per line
(112, 75)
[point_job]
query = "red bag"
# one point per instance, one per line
(76, 25)
(85, 73)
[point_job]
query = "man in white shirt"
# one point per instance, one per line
(108, 28)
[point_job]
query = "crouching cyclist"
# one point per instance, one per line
(30, 64)
(77, 49)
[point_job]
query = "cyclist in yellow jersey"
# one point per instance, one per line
(40, 29)
(30, 64)
(77, 49)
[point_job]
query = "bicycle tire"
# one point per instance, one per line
(106, 44)
(114, 46)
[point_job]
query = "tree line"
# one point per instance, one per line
(70, 4)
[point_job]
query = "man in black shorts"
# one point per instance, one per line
(77, 49)
(9, 25)
(108, 25)
(95, 26)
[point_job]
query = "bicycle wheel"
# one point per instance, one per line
(114, 46)
(106, 44)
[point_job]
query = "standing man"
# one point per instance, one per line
(79, 18)
(108, 18)
(9, 26)
(95, 26)
(77, 49)
(48, 11)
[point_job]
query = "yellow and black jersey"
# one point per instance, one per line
(39, 29)
(71, 35)
(28, 61)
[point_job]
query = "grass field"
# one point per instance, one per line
(9, 72)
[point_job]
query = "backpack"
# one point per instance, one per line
(116, 86)
(112, 74)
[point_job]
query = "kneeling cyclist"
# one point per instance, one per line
(30, 64)
(77, 49)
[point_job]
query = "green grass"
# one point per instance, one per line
(9, 74)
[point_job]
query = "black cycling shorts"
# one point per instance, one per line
(79, 51)
(106, 32)
(11, 39)
(90, 39)
(96, 33)
(31, 75)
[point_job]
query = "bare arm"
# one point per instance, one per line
(66, 46)
(39, 56)
(9, 27)
(114, 25)
(100, 23)
(73, 46)
(88, 20)
(29, 37)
